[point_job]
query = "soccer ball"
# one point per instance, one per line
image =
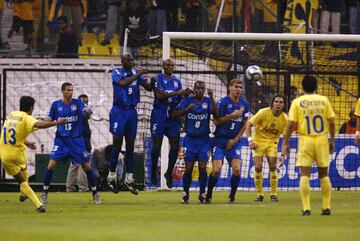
(253, 73)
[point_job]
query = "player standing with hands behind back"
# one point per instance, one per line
(315, 118)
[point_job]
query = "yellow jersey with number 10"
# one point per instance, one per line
(311, 112)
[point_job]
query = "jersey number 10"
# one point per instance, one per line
(316, 124)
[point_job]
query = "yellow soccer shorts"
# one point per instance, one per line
(265, 149)
(13, 161)
(312, 149)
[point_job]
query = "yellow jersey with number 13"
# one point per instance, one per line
(311, 112)
(17, 127)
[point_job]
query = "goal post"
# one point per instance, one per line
(285, 58)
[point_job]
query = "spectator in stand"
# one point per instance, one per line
(157, 16)
(172, 16)
(257, 16)
(114, 19)
(349, 127)
(67, 46)
(2, 44)
(135, 20)
(75, 11)
(354, 12)
(315, 15)
(23, 18)
(191, 10)
(331, 13)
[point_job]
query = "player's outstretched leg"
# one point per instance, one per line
(91, 181)
(112, 184)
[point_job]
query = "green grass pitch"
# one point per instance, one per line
(155, 215)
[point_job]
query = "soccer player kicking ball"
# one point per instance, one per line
(197, 110)
(69, 141)
(315, 118)
(269, 123)
(230, 126)
(18, 125)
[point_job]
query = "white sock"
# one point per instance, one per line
(129, 178)
(112, 176)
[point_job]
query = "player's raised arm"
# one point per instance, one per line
(215, 110)
(128, 63)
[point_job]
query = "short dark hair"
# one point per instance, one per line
(26, 103)
(198, 82)
(64, 85)
(276, 96)
(309, 84)
(83, 96)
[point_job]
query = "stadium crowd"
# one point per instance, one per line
(66, 20)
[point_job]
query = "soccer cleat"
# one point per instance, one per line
(208, 198)
(23, 198)
(44, 197)
(326, 211)
(185, 198)
(274, 198)
(202, 198)
(131, 188)
(96, 198)
(41, 209)
(259, 198)
(231, 199)
(306, 213)
(112, 185)
(169, 180)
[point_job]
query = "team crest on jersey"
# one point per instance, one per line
(134, 82)
(60, 108)
(176, 84)
(165, 81)
(229, 106)
(237, 152)
(73, 107)
(204, 106)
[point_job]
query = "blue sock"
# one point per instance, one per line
(47, 178)
(114, 155)
(234, 184)
(202, 180)
(173, 155)
(154, 157)
(129, 160)
(186, 182)
(91, 180)
(211, 184)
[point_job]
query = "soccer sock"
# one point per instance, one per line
(173, 155)
(187, 182)
(154, 158)
(47, 179)
(91, 180)
(234, 184)
(258, 181)
(26, 177)
(305, 192)
(114, 155)
(129, 160)
(326, 192)
(211, 184)
(202, 180)
(26, 189)
(274, 182)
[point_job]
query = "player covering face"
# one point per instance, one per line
(197, 110)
